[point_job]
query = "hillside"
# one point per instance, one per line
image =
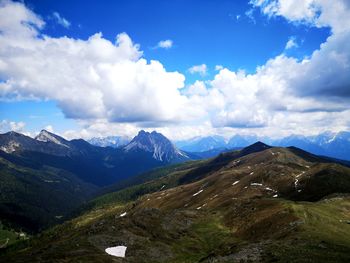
(34, 197)
(259, 204)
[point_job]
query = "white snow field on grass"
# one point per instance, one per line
(235, 182)
(123, 214)
(118, 251)
(197, 193)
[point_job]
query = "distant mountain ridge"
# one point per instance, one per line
(336, 145)
(201, 144)
(111, 141)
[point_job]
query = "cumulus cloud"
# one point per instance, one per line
(314, 76)
(111, 89)
(319, 13)
(89, 79)
(61, 20)
(201, 69)
(166, 44)
(285, 86)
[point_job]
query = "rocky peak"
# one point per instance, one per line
(157, 144)
(46, 136)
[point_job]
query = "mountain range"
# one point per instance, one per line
(335, 145)
(40, 175)
(257, 204)
(111, 141)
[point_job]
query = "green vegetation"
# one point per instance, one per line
(33, 199)
(327, 220)
(323, 234)
(9, 236)
(153, 181)
(206, 237)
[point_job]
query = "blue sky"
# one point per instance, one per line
(236, 35)
(202, 31)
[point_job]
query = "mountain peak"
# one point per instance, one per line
(142, 132)
(156, 143)
(46, 136)
(256, 147)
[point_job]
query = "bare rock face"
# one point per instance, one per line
(156, 143)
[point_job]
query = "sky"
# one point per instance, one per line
(87, 69)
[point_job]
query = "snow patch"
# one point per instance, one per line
(275, 196)
(235, 182)
(256, 184)
(198, 192)
(122, 214)
(296, 182)
(118, 251)
(251, 173)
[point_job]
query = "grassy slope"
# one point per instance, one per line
(323, 235)
(256, 229)
(7, 237)
(199, 236)
(149, 182)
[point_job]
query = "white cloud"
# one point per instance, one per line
(250, 15)
(201, 69)
(291, 43)
(110, 89)
(61, 20)
(319, 13)
(313, 76)
(166, 44)
(49, 128)
(198, 88)
(6, 125)
(17, 22)
(218, 67)
(89, 79)
(287, 94)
